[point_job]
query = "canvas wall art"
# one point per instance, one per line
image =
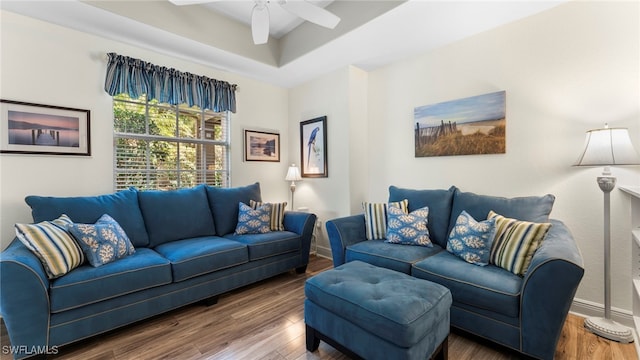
(468, 126)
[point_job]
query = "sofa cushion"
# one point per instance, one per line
(224, 205)
(176, 214)
(197, 256)
(277, 213)
(408, 229)
(529, 208)
(471, 240)
(253, 220)
(439, 203)
(102, 242)
(488, 287)
(515, 242)
(86, 284)
(390, 256)
(269, 244)
(122, 206)
(375, 217)
(52, 244)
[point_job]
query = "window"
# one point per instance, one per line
(160, 146)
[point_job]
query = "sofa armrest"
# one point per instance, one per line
(343, 232)
(24, 299)
(301, 223)
(548, 290)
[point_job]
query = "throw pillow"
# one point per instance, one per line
(375, 217)
(277, 213)
(471, 240)
(253, 221)
(408, 229)
(52, 244)
(515, 242)
(102, 242)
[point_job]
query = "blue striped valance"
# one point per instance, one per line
(126, 75)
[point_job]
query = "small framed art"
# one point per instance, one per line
(261, 146)
(27, 128)
(313, 147)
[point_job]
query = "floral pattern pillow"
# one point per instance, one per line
(471, 240)
(102, 242)
(408, 229)
(253, 221)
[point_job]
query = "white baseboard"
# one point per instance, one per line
(587, 308)
(324, 252)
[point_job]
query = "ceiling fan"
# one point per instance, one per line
(260, 15)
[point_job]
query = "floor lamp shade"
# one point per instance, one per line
(293, 175)
(606, 147)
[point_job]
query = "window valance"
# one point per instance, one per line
(126, 75)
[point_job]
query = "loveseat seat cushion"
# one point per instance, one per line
(176, 214)
(197, 256)
(391, 256)
(122, 206)
(439, 202)
(86, 284)
(484, 287)
(224, 205)
(269, 244)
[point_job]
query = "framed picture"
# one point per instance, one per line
(27, 128)
(261, 146)
(313, 147)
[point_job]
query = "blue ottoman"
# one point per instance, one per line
(374, 313)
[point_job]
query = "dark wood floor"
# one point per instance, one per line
(265, 321)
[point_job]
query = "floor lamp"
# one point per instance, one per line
(606, 147)
(293, 175)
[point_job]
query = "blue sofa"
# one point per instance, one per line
(185, 251)
(524, 313)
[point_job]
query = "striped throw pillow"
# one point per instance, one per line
(52, 244)
(515, 242)
(277, 213)
(375, 217)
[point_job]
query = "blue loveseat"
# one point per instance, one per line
(525, 313)
(185, 251)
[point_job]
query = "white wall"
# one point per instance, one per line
(48, 64)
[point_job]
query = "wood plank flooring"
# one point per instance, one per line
(265, 321)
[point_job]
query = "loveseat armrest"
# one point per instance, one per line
(343, 232)
(301, 223)
(24, 300)
(548, 290)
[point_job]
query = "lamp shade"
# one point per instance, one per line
(604, 147)
(293, 174)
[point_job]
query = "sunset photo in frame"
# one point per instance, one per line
(27, 128)
(313, 147)
(261, 146)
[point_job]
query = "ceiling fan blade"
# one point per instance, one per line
(311, 13)
(260, 24)
(190, 2)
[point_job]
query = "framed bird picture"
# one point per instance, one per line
(313, 147)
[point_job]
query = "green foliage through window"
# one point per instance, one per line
(159, 146)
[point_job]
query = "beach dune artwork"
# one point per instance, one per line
(25, 128)
(468, 126)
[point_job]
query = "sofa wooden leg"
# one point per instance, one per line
(313, 342)
(210, 301)
(301, 269)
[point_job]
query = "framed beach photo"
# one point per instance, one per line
(261, 146)
(27, 128)
(313, 147)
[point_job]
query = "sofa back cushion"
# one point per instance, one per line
(528, 208)
(122, 206)
(176, 214)
(224, 205)
(439, 203)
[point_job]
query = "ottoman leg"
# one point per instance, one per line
(313, 342)
(442, 352)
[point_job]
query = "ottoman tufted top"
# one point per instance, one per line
(394, 306)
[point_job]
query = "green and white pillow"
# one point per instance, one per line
(102, 242)
(515, 242)
(253, 221)
(52, 244)
(375, 217)
(277, 213)
(408, 229)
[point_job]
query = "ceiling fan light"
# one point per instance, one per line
(260, 23)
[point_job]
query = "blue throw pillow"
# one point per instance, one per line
(224, 205)
(471, 240)
(253, 221)
(408, 229)
(102, 242)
